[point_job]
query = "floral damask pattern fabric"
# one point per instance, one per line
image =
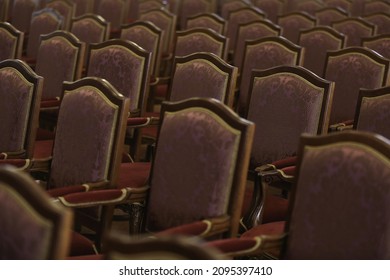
(350, 72)
(121, 67)
(198, 78)
(83, 143)
(375, 115)
(8, 45)
(64, 55)
(260, 57)
(198, 42)
(195, 162)
(16, 98)
(23, 234)
(342, 197)
(283, 106)
(316, 45)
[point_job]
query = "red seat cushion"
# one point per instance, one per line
(134, 175)
(275, 209)
(43, 148)
(80, 245)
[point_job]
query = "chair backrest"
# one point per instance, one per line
(20, 95)
(328, 15)
(147, 5)
(285, 102)
(240, 16)
(202, 75)
(351, 69)
(354, 30)
(379, 43)
(11, 41)
(201, 40)
(262, 54)
(60, 58)
(293, 23)
(338, 203)
(113, 11)
(250, 31)
(228, 6)
(43, 228)
(272, 8)
(201, 160)
(43, 22)
(372, 111)
(343, 4)
(166, 21)
(207, 20)
(122, 247)
(378, 6)
(125, 65)
(317, 41)
(381, 21)
(89, 136)
(22, 11)
(149, 37)
(83, 7)
(192, 7)
(66, 8)
(310, 7)
(4, 8)
(90, 28)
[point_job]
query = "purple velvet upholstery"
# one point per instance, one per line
(11, 41)
(200, 40)
(240, 16)
(192, 7)
(64, 50)
(317, 42)
(382, 22)
(293, 23)
(263, 54)
(204, 145)
(328, 15)
(16, 101)
(202, 76)
(354, 30)
(374, 115)
(82, 149)
(164, 20)
(125, 66)
(342, 197)
(250, 31)
(283, 106)
(90, 28)
(352, 69)
(380, 44)
(42, 22)
(64, 8)
(207, 20)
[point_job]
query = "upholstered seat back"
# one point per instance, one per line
(341, 200)
(11, 41)
(200, 40)
(380, 44)
(251, 31)
(89, 129)
(43, 21)
(114, 11)
(382, 22)
(207, 20)
(272, 8)
(203, 75)
(317, 41)
(125, 65)
(284, 103)
(90, 28)
(293, 23)
(263, 54)
(66, 8)
(327, 15)
(352, 69)
(200, 152)
(32, 227)
(20, 94)
(149, 37)
(192, 7)
(373, 111)
(59, 59)
(240, 16)
(164, 20)
(354, 29)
